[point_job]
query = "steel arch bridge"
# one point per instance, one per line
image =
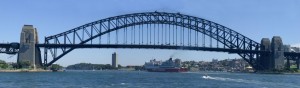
(156, 30)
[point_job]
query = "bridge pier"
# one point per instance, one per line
(265, 59)
(298, 62)
(275, 59)
(29, 54)
(288, 64)
(277, 53)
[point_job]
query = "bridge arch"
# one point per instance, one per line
(85, 34)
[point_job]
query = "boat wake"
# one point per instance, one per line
(207, 77)
(230, 79)
(248, 81)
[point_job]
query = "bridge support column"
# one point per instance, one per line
(288, 64)
(277, 53)
(275, 59)
(265, 59)
(298, 62)
(29, 54)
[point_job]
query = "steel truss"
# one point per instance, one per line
(12, 48)
(188, 29)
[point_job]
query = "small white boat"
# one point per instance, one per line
(205, 77)
(93, 69)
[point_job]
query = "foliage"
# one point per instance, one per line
(136, 67)
(119, 66)
(15, 65)
(293, 66)
(3, 64)
(89, 66)
(2, 61)
(24, 64)
(56, 67)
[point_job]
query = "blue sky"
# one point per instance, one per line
(255, 19)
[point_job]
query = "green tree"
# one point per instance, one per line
(55, 67)
(2, 61)
(119, 66)
(24, 64)
(15, 65)
(89, 66)
(3, 64)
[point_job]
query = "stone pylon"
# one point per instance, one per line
(275, 59)
(265, 59)
(28, 52)
(277, 53)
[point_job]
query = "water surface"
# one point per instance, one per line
(141, 79)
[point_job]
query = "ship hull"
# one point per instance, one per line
(167, 70)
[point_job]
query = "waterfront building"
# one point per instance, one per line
(114, 61)
(214, 60)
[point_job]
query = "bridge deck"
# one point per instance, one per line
(9, 48)
(149, 47)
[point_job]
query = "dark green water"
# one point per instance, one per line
(140, 79)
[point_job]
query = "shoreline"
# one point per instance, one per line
(25, 70)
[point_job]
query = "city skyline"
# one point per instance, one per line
(254, 19)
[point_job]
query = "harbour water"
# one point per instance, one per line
(142, 79)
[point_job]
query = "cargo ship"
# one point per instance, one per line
(166, 66)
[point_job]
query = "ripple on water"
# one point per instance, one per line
(121, 79)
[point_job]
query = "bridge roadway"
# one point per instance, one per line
(13, 48)
(9, 48)
(149, 47)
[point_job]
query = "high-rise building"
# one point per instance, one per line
(114, 61)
